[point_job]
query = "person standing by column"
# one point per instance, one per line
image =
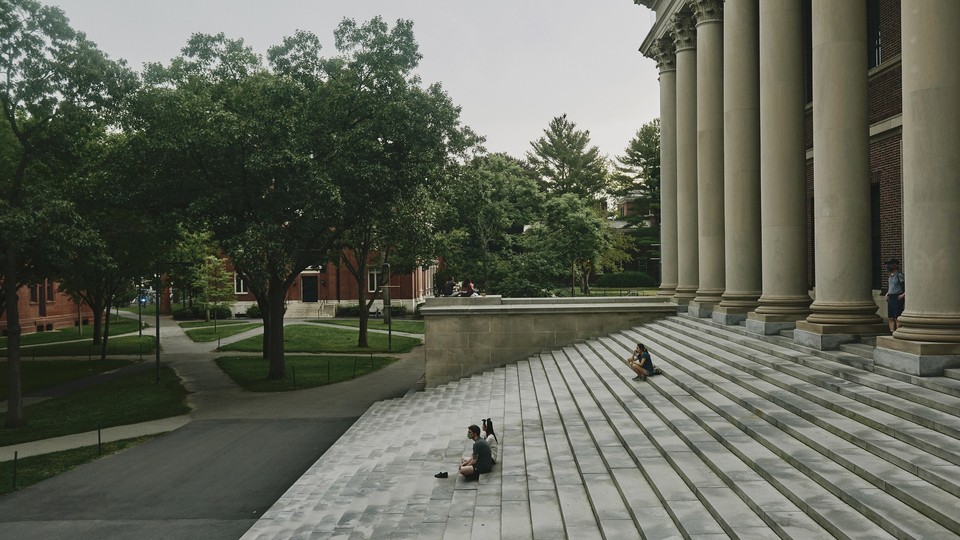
(896, 293)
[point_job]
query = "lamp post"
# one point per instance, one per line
(158, 286)
(385, 272)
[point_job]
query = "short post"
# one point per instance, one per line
(328, 371)
(354, 367)
(293, 369)
(14, 470)
(99, 441)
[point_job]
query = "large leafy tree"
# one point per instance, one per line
(492, 200)
(55, 88)
(638, 169)
(281, 159)
(566, 162)
(573, 233)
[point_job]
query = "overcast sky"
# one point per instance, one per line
(512, 65)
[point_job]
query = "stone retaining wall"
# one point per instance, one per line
(470, 335)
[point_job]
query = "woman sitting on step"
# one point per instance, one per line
(641, 363)
(491, 437)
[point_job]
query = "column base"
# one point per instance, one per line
(729, 316)
(921, 358)
(683, 297)
(701, 309)
(826, 337)
(667, 290)
(768, 325)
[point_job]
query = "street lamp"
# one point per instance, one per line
(158, 277)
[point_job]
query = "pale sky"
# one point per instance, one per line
(512, 65)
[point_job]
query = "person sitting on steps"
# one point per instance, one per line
(480, 461)
(641, 363)
(491, 438)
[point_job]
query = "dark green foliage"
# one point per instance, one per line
(253, 312)
(199, 311)
(353, 310)
(626, 279)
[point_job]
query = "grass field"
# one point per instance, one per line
(34, 469)
(35, 375)
(411, 327)
(127, 400)
(117, 346)
(316, 339)
(303, 371)
(117, 327)
(208, 333)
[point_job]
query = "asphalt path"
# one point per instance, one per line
(212, 478)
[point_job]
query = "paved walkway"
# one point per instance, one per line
(226, 462)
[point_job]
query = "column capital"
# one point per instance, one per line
(708, 10)
(684, 30)
(664, 51)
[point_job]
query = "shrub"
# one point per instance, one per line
(353, 310)
(626, 279)
(518, 287)
(199, 311)
(253, 312)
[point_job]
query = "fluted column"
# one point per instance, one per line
(844, 304)
(688, 277)
(741, 160)
(666, 62)
(929, 337)
(709, 155)
(783, 173)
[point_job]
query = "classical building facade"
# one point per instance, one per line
(803, 143)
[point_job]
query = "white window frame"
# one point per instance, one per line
(239, 286)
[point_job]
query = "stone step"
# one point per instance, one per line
(860, 349)
(838, 376)
(791, 503)
(953, 373)
(808, 425)
(743, 508)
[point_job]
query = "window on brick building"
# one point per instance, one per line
(34, 294)
(239, 286)
(373, 280)
(49, 291)
(874, 37)
(876, 275)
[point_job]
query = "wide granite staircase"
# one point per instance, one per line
(742, 437)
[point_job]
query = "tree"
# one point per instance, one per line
(279, 161)
(638, 169)
(575, 234)
(55, 87)
(565, 162)
(493, 199)
(216, 284)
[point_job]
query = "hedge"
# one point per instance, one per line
(353, 310)
(199, 311)
(625, 279)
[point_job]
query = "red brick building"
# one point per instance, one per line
(43, 308)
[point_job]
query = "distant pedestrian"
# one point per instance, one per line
(448, 287)
(896, 294)
(467, 289)
(641, 363)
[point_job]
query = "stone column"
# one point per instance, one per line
(741, 160)
(666, 62)
(688, 277)
(929, 337)
(783, 170)
(844, 305)
(709, 155)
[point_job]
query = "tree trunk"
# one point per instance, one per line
(362, 341)
(274, 332)
(265, 315)
(106, 333)
(97, 307)
(14, 390)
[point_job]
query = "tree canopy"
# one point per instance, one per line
(565, 161)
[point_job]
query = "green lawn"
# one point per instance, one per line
(33, 469)
(149, 310)
(126, 345)
(127, 400)
(117, 327)
(411, 327)
(316, 339)
(250, 372)
(35, 375)
(208, 333)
